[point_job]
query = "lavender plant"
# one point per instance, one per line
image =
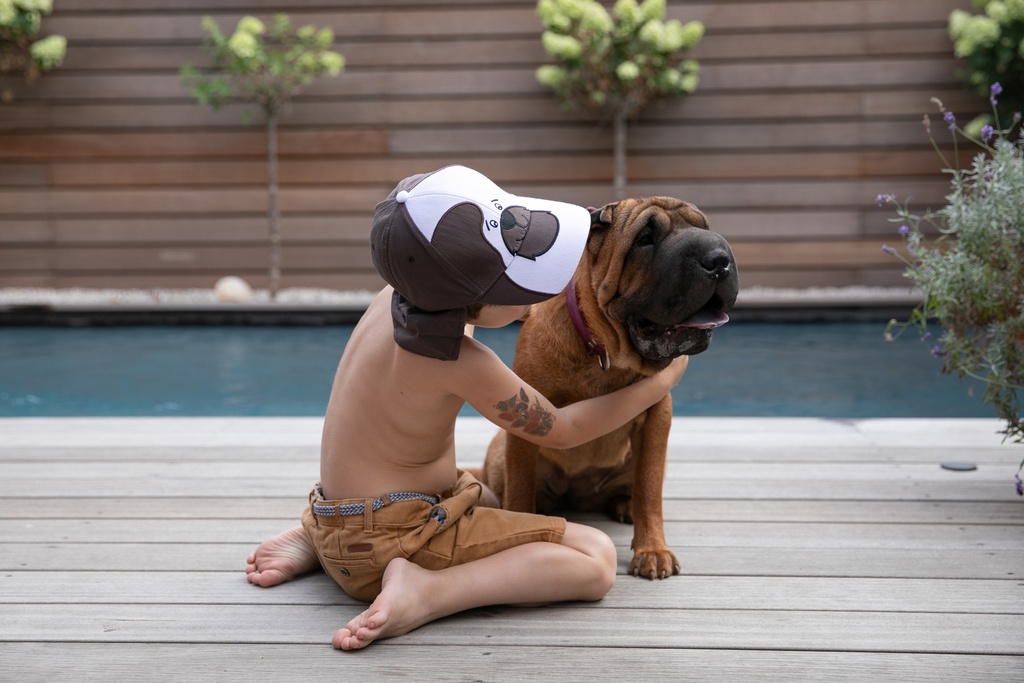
(972, 272)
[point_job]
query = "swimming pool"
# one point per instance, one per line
(822, 369)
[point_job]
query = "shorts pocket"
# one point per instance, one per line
(359, 577)
(350, 566)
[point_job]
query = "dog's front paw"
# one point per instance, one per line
(654, 564)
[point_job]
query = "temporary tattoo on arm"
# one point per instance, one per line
(531, 419)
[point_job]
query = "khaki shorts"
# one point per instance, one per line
(447, 530)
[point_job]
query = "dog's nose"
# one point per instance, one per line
(716, 262)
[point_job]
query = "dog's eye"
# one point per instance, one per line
(644, 239)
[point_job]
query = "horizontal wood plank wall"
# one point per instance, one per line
(112, 176)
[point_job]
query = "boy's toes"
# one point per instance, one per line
(343, 640)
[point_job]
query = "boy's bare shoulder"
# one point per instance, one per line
(375, 357)
(474, 363)
(474, 355)
(478, 374)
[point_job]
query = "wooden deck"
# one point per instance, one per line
(812, 550)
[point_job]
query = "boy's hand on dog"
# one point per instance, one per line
(674, 372)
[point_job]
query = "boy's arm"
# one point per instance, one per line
(508, 401)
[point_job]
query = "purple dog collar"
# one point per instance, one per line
(573, 306)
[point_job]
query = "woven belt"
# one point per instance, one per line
(358, 508)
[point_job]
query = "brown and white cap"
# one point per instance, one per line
(451, 238)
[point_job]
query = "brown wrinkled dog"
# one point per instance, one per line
(652, 284)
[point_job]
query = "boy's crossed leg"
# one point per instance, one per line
(582, 567)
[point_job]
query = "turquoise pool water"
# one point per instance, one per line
(835, 370)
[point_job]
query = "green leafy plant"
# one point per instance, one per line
(991, 47)
(968, 260)
(614, 67)
(20, 51)
(265, 66)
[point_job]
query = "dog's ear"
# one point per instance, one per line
(602, 217)
(600, 224)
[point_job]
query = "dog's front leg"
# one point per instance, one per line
(520, 475)
(651, 556)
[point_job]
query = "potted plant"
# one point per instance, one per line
(266, 67)
(614, 67)
(20, 51)
(989, 47)
(968, 260)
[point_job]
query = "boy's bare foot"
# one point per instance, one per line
(401, 606)
(281, 558)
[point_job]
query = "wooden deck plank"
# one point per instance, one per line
(564, 625)
(880, 563)
(896, 434)
(679, 535)
(685, 447)
(722, 489)
(285, 508)
(821, 594)
(694, 453)
(185, 473)
(199, 662)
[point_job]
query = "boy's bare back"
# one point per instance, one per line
(391, 416)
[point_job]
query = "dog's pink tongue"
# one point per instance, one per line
(705, 320)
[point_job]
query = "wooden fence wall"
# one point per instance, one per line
(112, 176)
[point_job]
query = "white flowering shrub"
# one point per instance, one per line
(20, 51)
(615, 64)
(265, 66)
(991, 45)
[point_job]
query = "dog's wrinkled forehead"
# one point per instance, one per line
(632, 212)
(693, 216)
(681, 214)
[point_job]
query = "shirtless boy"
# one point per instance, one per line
(393, 521)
